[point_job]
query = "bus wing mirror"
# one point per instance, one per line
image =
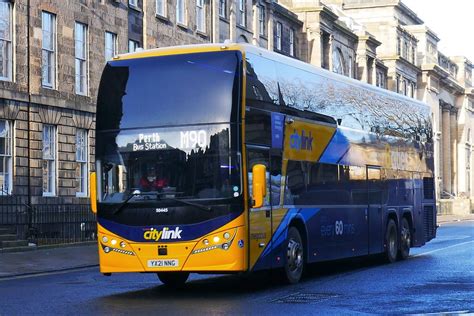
(93, 190)
(259, 187)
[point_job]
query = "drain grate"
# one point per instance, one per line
(305, 298)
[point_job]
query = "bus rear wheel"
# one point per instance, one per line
(391, 242)
(173, 279)
(405, 240)
(294, 256)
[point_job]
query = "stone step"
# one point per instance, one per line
(7, 237)
(13, 243)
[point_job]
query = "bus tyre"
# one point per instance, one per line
(294, 256)
(405, 240)
(391, 242)
(173, 279)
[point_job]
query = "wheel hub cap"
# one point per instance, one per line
(295, 255)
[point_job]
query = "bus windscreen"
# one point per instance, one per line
(169, 90)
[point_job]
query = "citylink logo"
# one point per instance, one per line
(301, 142)
(164, 234)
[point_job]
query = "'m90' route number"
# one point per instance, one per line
(191, 139)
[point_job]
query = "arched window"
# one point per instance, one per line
(338, 62)
(242, 39)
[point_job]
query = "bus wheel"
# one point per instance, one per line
(405, 240)
(391, 242)
(294, 256)
(173, 279)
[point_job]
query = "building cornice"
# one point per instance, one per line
(370, 39)
(400, 59)
(286, 13)
(444, 77)
(422, 29)
(344, 29)
(321, 10)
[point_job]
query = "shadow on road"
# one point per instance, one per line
(243, 285)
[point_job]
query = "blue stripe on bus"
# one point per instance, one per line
(189, 232)
(336, 149)
(279, 237)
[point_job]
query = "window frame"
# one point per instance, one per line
(181, 8)
(114, 51)
(9, 46)
(398, 83)
(223, 9)
(262, 20)
(51, 161)
(135, 43)
(8, 158)
(242, 13)
(82, 159)
(200, 16)
(278, 35)
(161, 10)
(50, 51)
(81, 61)
(292, 42)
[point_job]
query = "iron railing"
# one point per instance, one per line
(47, 223)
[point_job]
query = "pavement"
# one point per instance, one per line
(72, 257)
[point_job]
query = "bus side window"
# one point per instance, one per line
(295, 182)
(261, 80)
(275, 180)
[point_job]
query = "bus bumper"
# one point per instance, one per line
(223, 250)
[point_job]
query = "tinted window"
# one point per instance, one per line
(262, 83)
(169, 90)
(258, 128)
(324, 184)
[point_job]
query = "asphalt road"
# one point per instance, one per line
(437, 278)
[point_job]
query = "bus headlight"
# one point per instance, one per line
(122, 244)
(226, 235)
(225, 246)
(216, 239)
(113, 242)
(105, 239)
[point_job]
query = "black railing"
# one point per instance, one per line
(47, 223)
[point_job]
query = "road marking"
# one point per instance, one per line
(47, 273)
(444, 248)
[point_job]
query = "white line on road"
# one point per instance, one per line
(440, 249)
(45, 273)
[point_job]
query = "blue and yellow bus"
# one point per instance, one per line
(229, 158)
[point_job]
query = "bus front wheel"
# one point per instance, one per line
(173, 279)
(294, 256)
(391, 242)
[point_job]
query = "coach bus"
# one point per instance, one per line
(229, 158)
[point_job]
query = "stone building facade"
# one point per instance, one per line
(417, 69)
(53, 55)
(54, 52)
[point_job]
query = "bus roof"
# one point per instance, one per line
(244, 47)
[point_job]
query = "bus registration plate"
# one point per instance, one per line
(164, 263)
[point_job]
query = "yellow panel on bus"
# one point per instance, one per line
(306, 141)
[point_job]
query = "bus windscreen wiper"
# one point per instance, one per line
(200, 206)
(133, 194)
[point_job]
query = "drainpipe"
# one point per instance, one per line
(144, 24)
(28, 76)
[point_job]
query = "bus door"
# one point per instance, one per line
(260, 224)
(374, 209)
